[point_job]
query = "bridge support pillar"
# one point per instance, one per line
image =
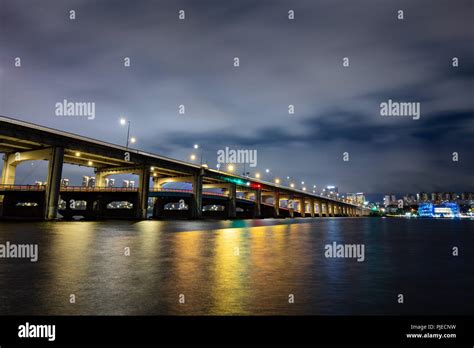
(9, 169)
(100, 177)
(53, 184)
(331, 209)
(291, 206)
(311, 207)
(302, 206)
(258, 204)
(143, 191)
(232, 204)
(320, 208)
(196, 211)
(276, 204)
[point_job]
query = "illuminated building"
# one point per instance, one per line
(445, 209)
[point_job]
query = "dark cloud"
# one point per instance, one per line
(299, 62)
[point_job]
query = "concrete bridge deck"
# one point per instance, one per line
(240, 196)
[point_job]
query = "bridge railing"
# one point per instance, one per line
(22, 187)
(207, 193)
(170, 190)
(97, 189)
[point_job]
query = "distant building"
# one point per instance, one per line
(65, 182)
(91, 183)
(409, 199)
(389, 199)
(128, 183)
(445, 209)
(422, 197)
(331, 191)
(357, 198)
(85, 181)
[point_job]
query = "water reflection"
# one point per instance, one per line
(236, 267)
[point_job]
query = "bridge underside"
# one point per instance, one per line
(125, 205)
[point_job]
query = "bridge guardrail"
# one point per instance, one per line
(4, 187)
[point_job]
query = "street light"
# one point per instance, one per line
(123, 122)
(230, 168)
(257, 175)
(196, 147)
(193, 157)
(277, 181)
(267, 170)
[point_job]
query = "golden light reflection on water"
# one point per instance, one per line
(69, 249)
(220, 271)
(230, 271)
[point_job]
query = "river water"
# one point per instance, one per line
(240, 267)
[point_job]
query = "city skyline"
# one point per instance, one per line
(189, 62)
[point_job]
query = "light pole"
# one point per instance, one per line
(196, 147)
(123, 122)
(245, 173)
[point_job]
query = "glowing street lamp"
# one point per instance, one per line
(257, 175)
(230, 168)
(193, 157)
(277, 181)
(196, 147)
(123, 122)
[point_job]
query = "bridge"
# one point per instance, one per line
(214, 193)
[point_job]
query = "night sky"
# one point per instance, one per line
(282, 62)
